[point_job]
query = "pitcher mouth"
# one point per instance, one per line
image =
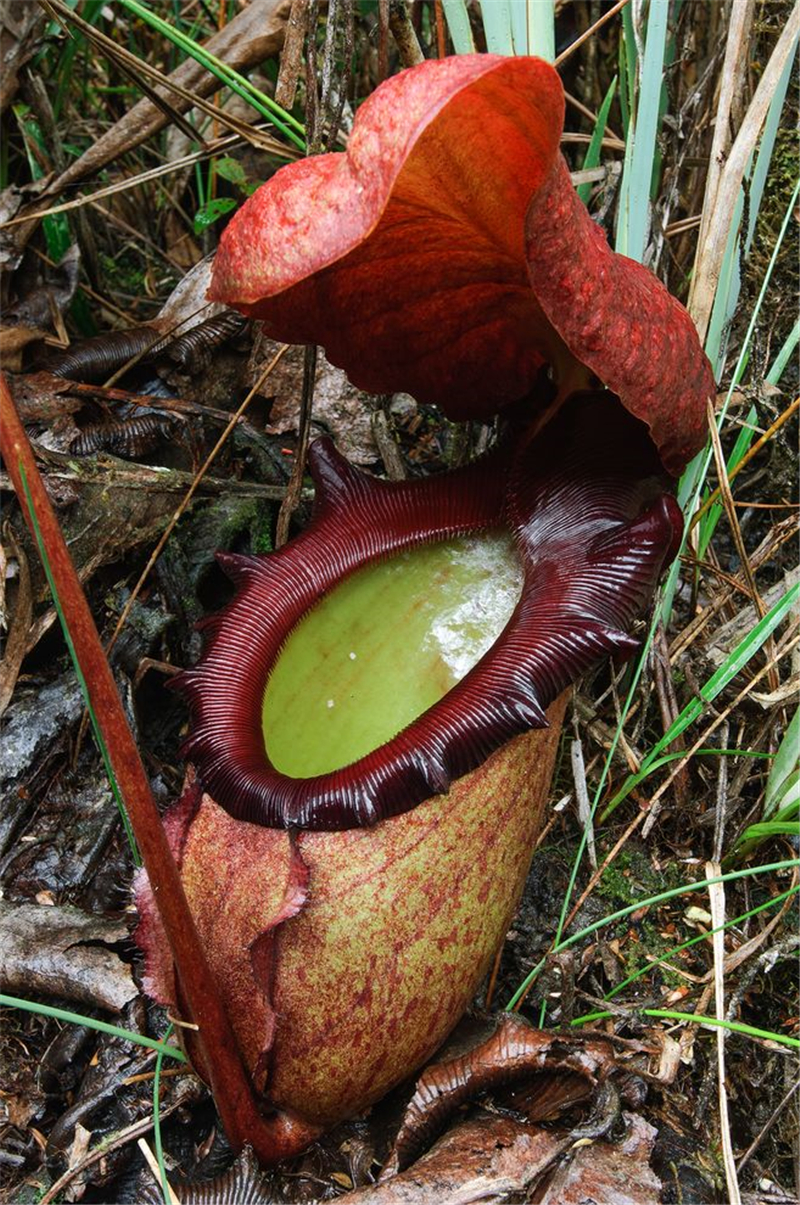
(584, 502)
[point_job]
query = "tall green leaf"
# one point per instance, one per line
(592, 157)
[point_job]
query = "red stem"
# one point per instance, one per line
(272, 1138)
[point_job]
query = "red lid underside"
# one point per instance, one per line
(446, 253)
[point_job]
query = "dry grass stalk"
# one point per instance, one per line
(718, 209)
(732, 78)
(730, 511)
(716, 893)
(748, 456)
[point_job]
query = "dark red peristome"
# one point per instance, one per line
(585, 503)
(446, 254)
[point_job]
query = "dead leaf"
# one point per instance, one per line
(243, 1182)
(46, 294)
(496, 1159)
(609, 1173)
(14, 240)
(20, 621)
(489, 1159)
(80, 1145)
(19, 1109)
(39, 397)
(20, 22)
(339, 409)
(14, 340)
(187, 304)
(514, 1052)
(669, 1057)
(60, 951)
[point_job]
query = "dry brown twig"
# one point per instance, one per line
(736, 532)
(748, 456)
(209, 460)
(143, 71)
(105, 1148)
(291, 63)
(231, 1086)
(154, 173)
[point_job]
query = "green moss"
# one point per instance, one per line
(243, 524)
(632, 877)
(261, 527)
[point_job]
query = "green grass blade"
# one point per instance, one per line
(519, 26)
(693, 941)
(64, 74)
(783, 767)
(162, 1170)
(645, 131)
(749, 1031)
(595, 147)
(496, 18)
(670, 52)
(62, 1014)
(727, 293)
(788, 798)
(621, 913)
(744, 651)
(628, 67)
(455, 12)
(634, 780)
(624, 86)
(56, 227)
(288, 125)
(784, 356)
(756, 833)
(781, 799)
(630, 61)
(766, 148)
(692, 482)
(98, 735)
(540, 28)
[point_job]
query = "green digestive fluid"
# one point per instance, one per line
(384, 646)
